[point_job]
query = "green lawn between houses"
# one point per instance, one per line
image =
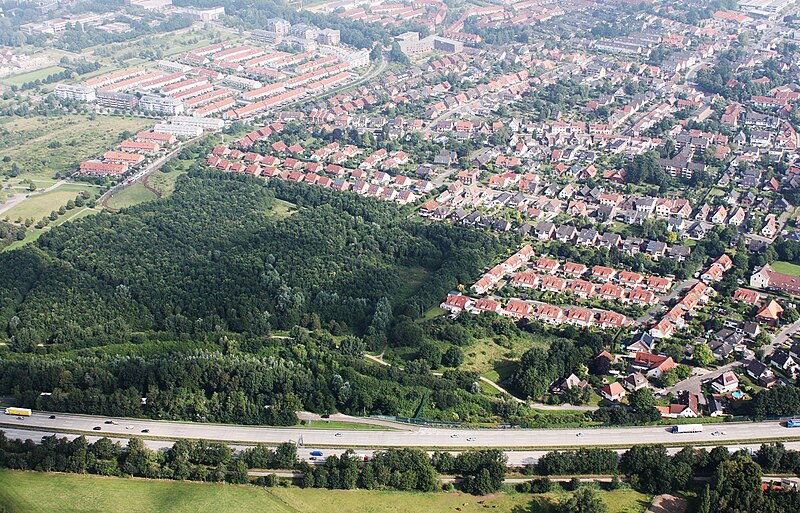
(32, 492)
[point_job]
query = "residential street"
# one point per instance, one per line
(782, 337)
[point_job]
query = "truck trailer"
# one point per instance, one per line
(24, 412)
(687, 428)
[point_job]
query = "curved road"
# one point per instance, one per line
(423, 437)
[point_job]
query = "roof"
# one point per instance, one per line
(613, 389)
(771, 310)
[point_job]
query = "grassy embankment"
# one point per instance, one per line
(31, 492)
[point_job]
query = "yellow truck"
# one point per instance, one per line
(24, 412)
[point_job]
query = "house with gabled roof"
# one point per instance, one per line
(655, 365)
(635, 381)
(770, 313)
(456, 303)
(551, 283)
(641, 342)
(486, 304)
(613, 392)
(751, 297)
(518, 309)
(549, 314)
(664, 329)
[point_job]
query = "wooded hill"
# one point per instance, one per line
(215, 257)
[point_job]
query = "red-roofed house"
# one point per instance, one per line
(613, 392)
(455, 303)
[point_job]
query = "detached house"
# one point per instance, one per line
(613, 392)
(655, 365)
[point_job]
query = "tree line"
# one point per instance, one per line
(482, 471)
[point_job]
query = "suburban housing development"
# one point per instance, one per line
(543, 248)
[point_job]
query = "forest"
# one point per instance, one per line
(212, 258)
(186, 292)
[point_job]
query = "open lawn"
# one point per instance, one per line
(39, 205)
(30, 76)
(130, 196)
(413, 278)
(164, 182)
(41, 147)
(786, 268)
(29, 492)
(282, 209)
(486, 355)
(34, 233)
(343, 424)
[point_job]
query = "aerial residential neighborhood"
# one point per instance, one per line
(412, 255)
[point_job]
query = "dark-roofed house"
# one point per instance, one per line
(761, 373)
(720, 349)
(566, 233)
(641, 342)
(783, 361)
(635, 381)
(545, 230)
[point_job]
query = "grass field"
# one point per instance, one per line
(130, 196)
(786, 268)
(343, 424)
(39, 205)
(164, 182)
(30, 492)
(30, 76)
(486, 355)
(42, 147)
(282, 209)
(34, 233)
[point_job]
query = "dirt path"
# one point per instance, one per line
(146, 183)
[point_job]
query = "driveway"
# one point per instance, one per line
(694, 384)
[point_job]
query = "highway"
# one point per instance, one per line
(422, 437)
(515, 457)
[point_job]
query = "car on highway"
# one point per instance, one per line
(579, 435)
(471, 439)
(313, 458)
(316, 453)
(718, 433)
(108, 422)
(52, 417)
(454, 435)
(128, 427)
(96, 428)
(145, 431)
(338, 434)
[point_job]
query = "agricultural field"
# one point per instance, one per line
(39, 148)
(29, 492)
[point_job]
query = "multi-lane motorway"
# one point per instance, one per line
(40, 423)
